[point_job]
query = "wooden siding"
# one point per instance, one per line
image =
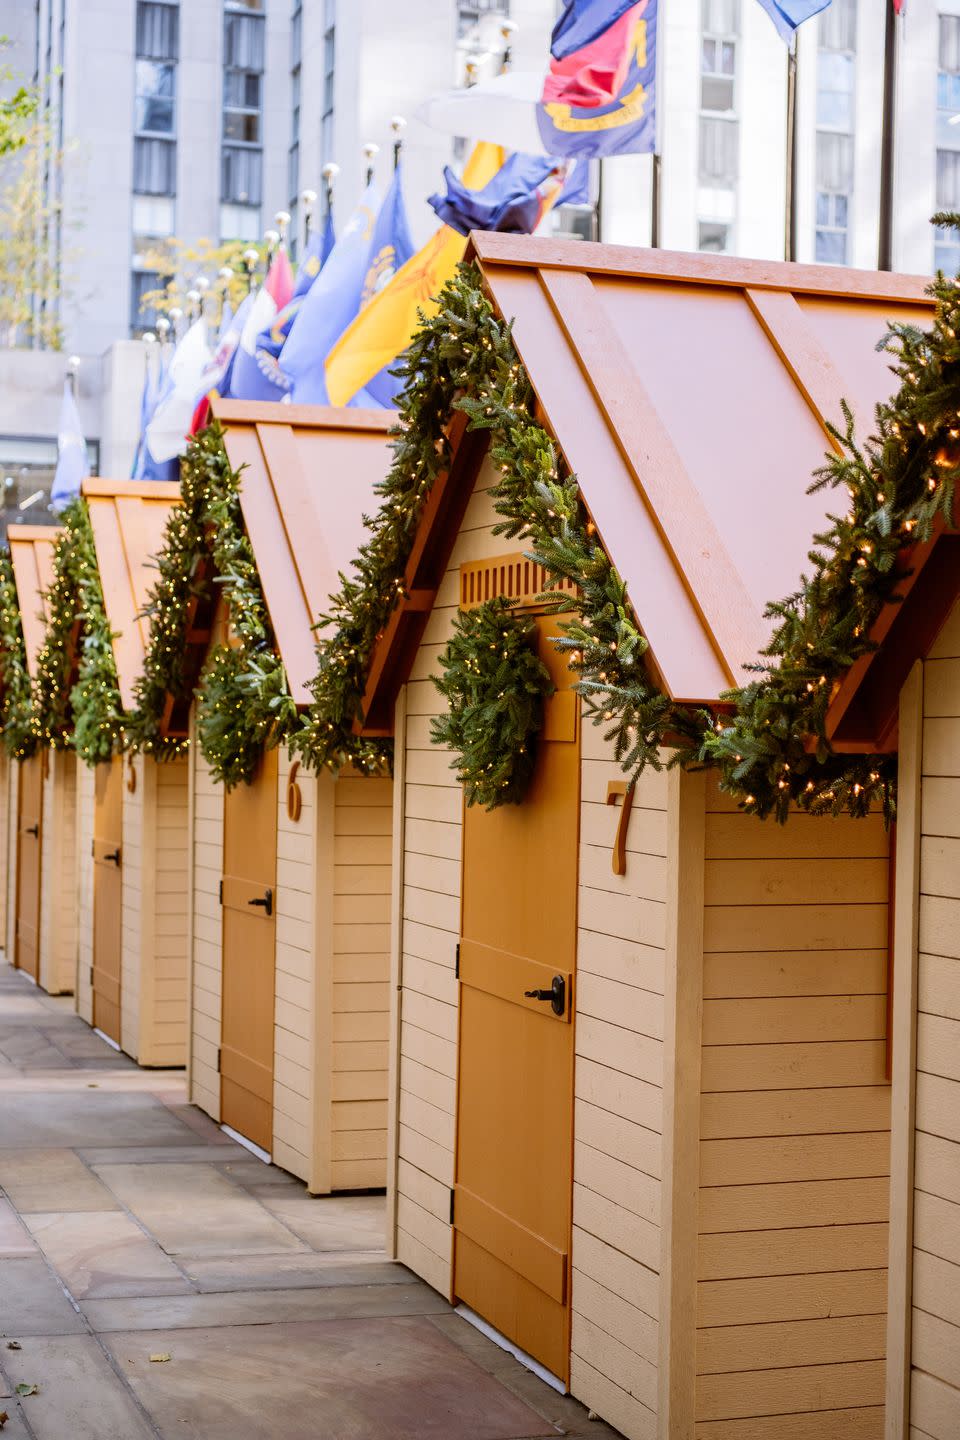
(935, 1382)
(206, 860)
(135, 924)
(794, 1146)
(362, 831)
(292, 1057)
(12, 789)
(619, 1097)
(433, 825)
(58, 867)
(5, 768)
(164, 899)
(86, 800)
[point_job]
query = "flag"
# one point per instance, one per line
(384, 329)
(788, 14)
(73, 466)
(167, 430)
(584, 21)
(329, 239)
(148, 402)
(599, 97)
(247, 380)
(390, 248)
(501, 110)
(272, 340)
(331, 303)
(514, 200)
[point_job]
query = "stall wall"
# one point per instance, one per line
(794, 1140)
(86, 804)
(935, 1378)
(293, 1057)
(10, 884)
(5, 768)
(58, 864)
(206, 860)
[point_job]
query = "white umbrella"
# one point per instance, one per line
(502, 110)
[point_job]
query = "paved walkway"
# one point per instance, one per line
(158, 1281)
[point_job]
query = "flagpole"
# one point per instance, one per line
(885, 237)
(329, 174)
(790, 210)
(397, 125)
(308, 200)
(251, 259)
(656, 179)
(370, 153)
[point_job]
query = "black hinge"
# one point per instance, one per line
(91, 974)
(456, 972)
(221, 892)
(218, 1059)
(453, 1195)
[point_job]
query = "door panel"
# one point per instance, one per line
(107, 896)
(249, 955)
(513, 1195)
(29, 842)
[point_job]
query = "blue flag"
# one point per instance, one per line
(148, 399)
(599, 96)
(272, 340)
(329, 306)
(788, 14)
(73, 466)
(391, 246)
(515, 199)
(329, 239)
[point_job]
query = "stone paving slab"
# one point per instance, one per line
(197, 1212)
(80, 1397)
(32, 1302)
(281, 1272)
(342, 1380)
(181, 1153)
(45, 1180)
(101, 1255)
(82, 1119)
(14, 1239)
(334, 1222)
(263, 1307)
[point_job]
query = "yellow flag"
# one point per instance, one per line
(385, 327)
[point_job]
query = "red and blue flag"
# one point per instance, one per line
(599, 96)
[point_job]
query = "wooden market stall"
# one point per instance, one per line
(41, 904)
(904, 698)
(290, 874)
(668, 1185)
(132, 813)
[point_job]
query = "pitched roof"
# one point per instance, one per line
(308, 482)
(128, 518)
(31, 551)
(690, 396)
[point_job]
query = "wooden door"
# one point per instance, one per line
(513, 1195)
(29, 842)
(107, 896)
(249, 955)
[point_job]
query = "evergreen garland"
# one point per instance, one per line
(495, 684)
(18, 721)
(893, 488)
(88, 716)
(244, 702)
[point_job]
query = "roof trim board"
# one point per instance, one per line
(31, 553)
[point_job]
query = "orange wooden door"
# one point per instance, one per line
(29, 839)
(249, 955)
(513, 1194)
(107, 896)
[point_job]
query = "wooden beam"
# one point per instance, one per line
(904, 1059)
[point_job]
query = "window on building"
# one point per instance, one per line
(155, 81)
(946, 242)
(142, 317)
(948, 65)
(241, 176)
(329, 79)
(158, 30)
(713, 237)
(717, 68)
(293, 160)
(241, 161)
(154, 166)
(719, 151)
(836, 72)
(719, 139)
(471, 12)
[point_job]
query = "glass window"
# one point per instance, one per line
(720, 17)
(471, 12)
(154, 166)
(838, 26)
(717, 69)
(948, 179)
(834, 161)
(239, 222)
(713, 237)
(718, 151)
(946, 251)
(141, 282)
(296, 35)
(155, 96)
(948, 77)
(835, 90)
(158, 27)
(243, 42)
(241, 176)
(831, 233)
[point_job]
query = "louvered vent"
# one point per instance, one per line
(512, 576)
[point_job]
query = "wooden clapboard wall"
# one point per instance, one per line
(5, 768)
(58, 868)
(206, 862)
(86, 805)
(794, 1138)
(931, 1365)
(13, 793)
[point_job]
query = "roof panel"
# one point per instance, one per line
(31, 551)
(309, 481)
(128, 520)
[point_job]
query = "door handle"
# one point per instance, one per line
(556, 995)
(113, 857)
(265, 901)
(33, 830)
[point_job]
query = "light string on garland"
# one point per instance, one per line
(19, 724)
(243, 700)
(86, 716)
(495, 685)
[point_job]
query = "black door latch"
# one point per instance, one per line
(556, 995)
(265, 901)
